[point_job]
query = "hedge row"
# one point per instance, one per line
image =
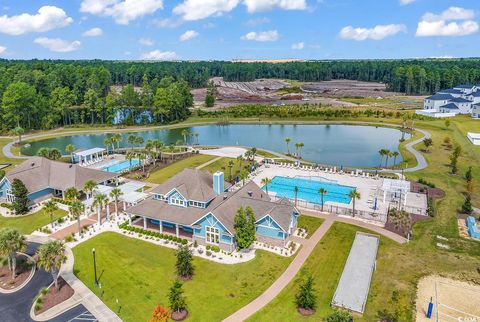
(156, 234)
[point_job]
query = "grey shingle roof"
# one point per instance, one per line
(440, 97)
(466, 86)
(450, 91)
(476, 94)
(39, 173)
(193, 184)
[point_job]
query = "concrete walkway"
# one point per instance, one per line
(208, 163)
(287, 276)
(421, 162)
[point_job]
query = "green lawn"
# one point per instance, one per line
(310, 223)
(27, 224)
(166, 173)
(222, 165)
(139, 274)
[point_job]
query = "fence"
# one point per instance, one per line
(340, 210)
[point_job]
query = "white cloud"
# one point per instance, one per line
(58, 45)
(270, 35)
(47, 18)
(146, 42)
(454, 21)
(201, 9)
(121, 11)
(298, 46)
(376, 33)
(168, 23)
(189, 34)
(405, 2)
(159, 55)
(266, 5)
(3, 50)
(94, 32)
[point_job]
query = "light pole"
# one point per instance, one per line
(95, 266)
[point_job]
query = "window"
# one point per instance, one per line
(212, 235)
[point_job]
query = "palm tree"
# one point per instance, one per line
(99, 201)
(322, 192)
(196, 137)
(89, 187)
(230, 167)
(71, 194)
(266, 181)
(253, 153)
(107, 142)
(297, 146)
(49, 208)
(54, 154)
(185, 134)
(301, 145)
(69, 149)
(240, 161)
(295, 190)
(243, 176)
(115, 194)
(395, 154)
(11, 242)
(131, 140)
(287, 141)
(382, 154)
(388, 154)
(139, 141)
(354, 194)
(157, 147)
(51, 256)
(142, 156)
(18, 131)
(76, 210)
(129, 156)
(117, 138)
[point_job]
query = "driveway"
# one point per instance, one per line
(15, 307)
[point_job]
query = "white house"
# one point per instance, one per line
(452, 91)
(466, 89)
(474, 97)
(476, 111)
(464, 105)
(474, 138)
(435, 101)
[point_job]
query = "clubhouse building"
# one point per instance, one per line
(45, 179)
(196, 205)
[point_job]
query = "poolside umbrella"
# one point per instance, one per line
(375, 204)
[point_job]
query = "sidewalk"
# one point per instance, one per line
(287, 276)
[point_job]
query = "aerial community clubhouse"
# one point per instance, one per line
(200, 206)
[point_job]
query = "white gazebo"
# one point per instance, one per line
(90, 156)
(396, 188)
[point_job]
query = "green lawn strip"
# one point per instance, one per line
(222, 165)
(325, 264)
(166, 173)
(266, 154)
(310, 223)
(140, 274)
(27, 224)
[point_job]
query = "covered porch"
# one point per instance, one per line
(162, 226)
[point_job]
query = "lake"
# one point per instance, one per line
(341, 145)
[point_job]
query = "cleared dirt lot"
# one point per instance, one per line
(348, 88)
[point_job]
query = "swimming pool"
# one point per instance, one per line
(308, 189)
(121, 166)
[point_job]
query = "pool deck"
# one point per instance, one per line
(107, 160)
(369, 188)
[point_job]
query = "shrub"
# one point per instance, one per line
(195, 244)
(44, 291)
(69, 238)
(37, 307)
(208, 253)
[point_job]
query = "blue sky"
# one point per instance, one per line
(238, 29)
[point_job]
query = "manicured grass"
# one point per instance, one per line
(139, 274)
(27, 224)
(166, 173)
(222, 165)
(310, 223)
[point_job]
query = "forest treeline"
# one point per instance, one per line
(42, 94)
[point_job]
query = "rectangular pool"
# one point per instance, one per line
(308, 189)
(121, 166)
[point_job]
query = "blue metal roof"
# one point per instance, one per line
(450, 91)
(450, 106)
(466, 86)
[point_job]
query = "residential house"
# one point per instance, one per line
(200, 206)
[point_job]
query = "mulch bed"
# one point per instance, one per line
(305, 312)
(434, 193)
(23, 272)
(54, 297)
(179, 316)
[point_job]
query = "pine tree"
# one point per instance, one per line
(184, 265)
(305, 297)
(244, 224)
(20, 193)
(467, 205)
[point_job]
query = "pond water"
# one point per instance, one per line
(341, 145)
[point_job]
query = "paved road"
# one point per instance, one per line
(421, 162)
(15, 307)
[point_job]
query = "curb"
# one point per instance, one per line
(32, 273)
